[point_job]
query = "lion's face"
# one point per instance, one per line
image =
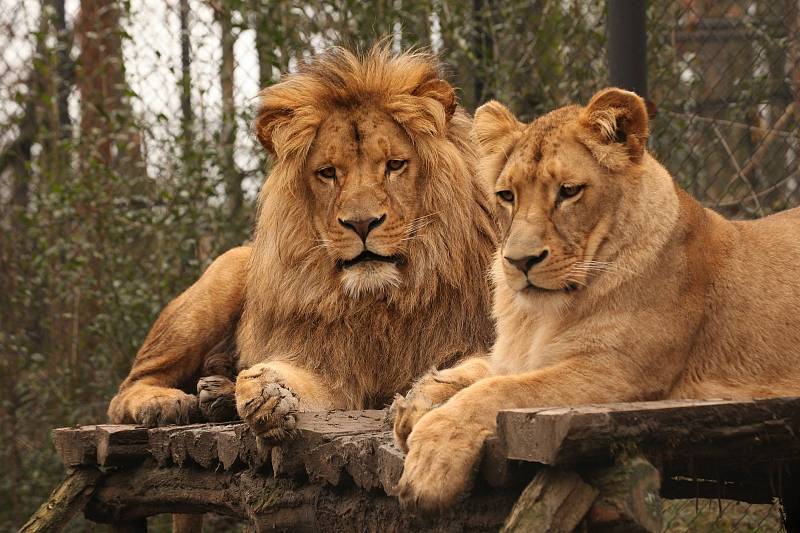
(559, 184)
(362, 172)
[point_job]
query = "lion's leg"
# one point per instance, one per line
(172, 356)
(269, 394)
(432, 390)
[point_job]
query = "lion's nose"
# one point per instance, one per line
(525, 263)
(363, 226)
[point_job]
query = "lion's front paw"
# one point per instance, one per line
(406, 412)
(216, 398)
(265, 402)
(443, 454)
(167, 408)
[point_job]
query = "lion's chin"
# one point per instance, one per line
(370, 278)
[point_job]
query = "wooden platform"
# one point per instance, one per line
(579, 464)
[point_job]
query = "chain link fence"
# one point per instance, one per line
(127, 161)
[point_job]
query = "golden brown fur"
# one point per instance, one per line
(353, 337)
(317, 331)
(184, 344)
(642, 293)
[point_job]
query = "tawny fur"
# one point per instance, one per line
(313, 335)
(354, 338)
(644, 294)
(180, 347)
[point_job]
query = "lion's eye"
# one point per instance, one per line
(393, 165)
(569, 191)
(329, 173)
(506, 196)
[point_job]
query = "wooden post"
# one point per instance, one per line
(556, 500)
(629, 497)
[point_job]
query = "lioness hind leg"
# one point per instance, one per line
(269, 394)
(430, 391)
(216, 398)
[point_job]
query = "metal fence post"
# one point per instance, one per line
(627, 45)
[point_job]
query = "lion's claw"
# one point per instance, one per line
(180, 408)
(266, 403)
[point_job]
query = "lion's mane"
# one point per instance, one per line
(295, 310)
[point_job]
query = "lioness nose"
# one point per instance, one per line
(525, 263)
(363, 226)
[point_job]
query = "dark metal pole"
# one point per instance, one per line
(627, 45)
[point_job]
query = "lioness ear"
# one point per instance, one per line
(614, 116)
(494, 128)
(442, 92)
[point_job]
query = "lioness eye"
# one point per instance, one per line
(568, 191)
(328, 173)
(506, 196)
(393, 165)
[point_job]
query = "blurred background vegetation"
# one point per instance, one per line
(127, 162)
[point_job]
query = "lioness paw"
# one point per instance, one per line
(406, 412)
(216, 398)
(442, 458)
(165, 409)
(264, 401)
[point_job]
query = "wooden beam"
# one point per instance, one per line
(761, 430)
(64, 502)
(268, 503)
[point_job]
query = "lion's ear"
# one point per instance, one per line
(267, 120)
(442, 92)
(494, 128)
(617, 117)
(426, 110)
(283, 127)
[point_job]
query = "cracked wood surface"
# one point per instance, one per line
(349, 456)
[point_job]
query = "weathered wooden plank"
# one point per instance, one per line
(120, 444)
(65, 501)
(556, 500)
(76, 446)
(715, 429)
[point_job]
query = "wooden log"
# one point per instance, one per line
(278, 504)
(64, 502)
(76, 446)
(556, 500)
(715, 429)
(120, 444)
(628, 498)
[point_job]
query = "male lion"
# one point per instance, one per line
(612, 285)
(368, 261)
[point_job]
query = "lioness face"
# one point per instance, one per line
(559, 184)
(555, 200)
(362, 173)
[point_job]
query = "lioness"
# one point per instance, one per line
(612, 284)
(368, 262)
